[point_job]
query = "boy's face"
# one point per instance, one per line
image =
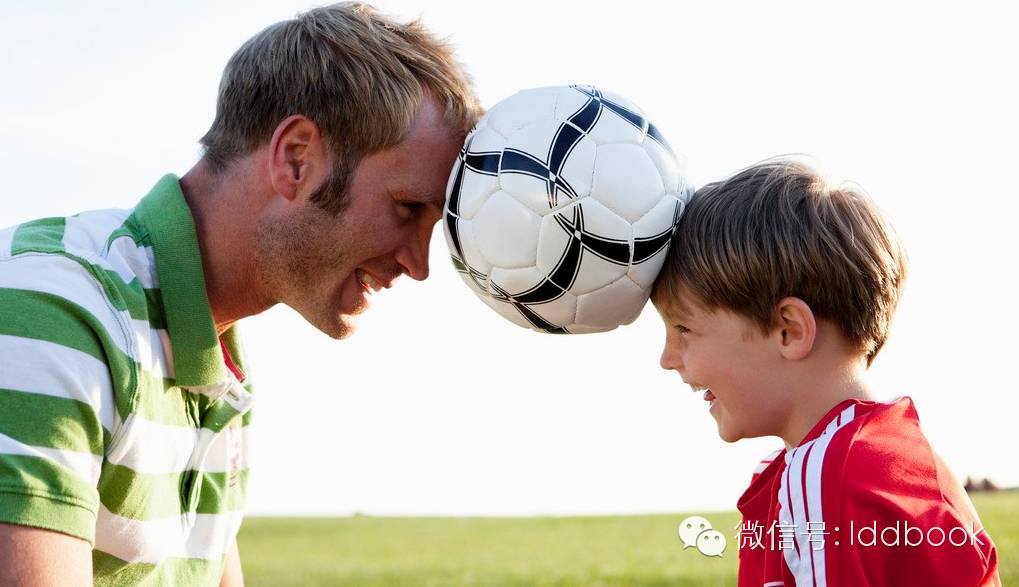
(730, 360)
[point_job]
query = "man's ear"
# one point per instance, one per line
(296, 153)
(797, 328)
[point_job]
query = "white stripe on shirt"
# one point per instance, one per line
(807, 461)
(86, 466)
(68, 373)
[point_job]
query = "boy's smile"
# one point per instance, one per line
(729, 359)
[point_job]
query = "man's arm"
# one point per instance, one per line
(232, 576)
(31, 556)
(57, 415)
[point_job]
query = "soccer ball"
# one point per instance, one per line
(561, 207)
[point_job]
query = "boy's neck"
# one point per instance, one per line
(818, 396)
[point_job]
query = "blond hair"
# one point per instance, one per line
(779, 229)
(359, 75)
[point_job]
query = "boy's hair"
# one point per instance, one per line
(778, 229)
(359, 75)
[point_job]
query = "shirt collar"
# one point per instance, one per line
(197, 356)
(836, 413)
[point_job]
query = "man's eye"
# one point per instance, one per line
(411, 208)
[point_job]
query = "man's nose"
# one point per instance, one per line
(413, 256)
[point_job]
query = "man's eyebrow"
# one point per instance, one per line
(436, 200)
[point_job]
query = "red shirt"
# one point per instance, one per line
(862, 501)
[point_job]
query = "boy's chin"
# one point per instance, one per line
(728, 433)
(729, 437)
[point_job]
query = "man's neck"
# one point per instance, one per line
(224, 224)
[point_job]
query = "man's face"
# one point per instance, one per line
(729, 359)
(326, 267)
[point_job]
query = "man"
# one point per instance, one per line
(123, 399)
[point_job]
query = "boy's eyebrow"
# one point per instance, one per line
(676, 311)
(682, 308)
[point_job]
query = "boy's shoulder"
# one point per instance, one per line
(879, 453)
(867, 450)
(868, 480)
(879, 441)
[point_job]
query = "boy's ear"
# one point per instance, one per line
(796, 328)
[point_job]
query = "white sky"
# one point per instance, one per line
(439, 406)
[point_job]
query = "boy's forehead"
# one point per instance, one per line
(681, 306)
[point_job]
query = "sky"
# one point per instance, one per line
(439, 406)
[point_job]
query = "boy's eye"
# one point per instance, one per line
(681, 329)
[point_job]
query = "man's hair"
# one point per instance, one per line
(359, 75)
(779, 229)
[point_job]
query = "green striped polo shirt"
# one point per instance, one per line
(120, 422)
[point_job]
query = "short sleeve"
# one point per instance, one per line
(56, 409)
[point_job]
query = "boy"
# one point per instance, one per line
(777, 295)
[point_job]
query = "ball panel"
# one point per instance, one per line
(542, 185)
(620, 121)
(514, 281)
(661, 218)
(652, 236)
(522, 109)
(616, 304)
(577, 170)
(471, 256)
(624, 102)
(451, 181)
(484, 139)
(569, 102)
(626, 181)
(506, 310)
(561, 309)
(553, 244)
(475, 189)
(670, 168)
(585, 244)
(612, 129)
(644, 274)
(476, 284)
(507, 232)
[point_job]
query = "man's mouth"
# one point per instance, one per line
(367, 281)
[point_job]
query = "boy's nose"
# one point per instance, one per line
(670, 360)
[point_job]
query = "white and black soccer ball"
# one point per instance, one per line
(561, 207)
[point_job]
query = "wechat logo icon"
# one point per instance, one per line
(697, 532)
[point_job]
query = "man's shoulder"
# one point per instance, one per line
(63, 276)
(87, 235)
(111, 248)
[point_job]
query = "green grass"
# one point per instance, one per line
(606, 551)
(1000, 515)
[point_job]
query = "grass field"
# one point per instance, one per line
(605, 551)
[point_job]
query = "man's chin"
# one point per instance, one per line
(341, 327)
(334, 325)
